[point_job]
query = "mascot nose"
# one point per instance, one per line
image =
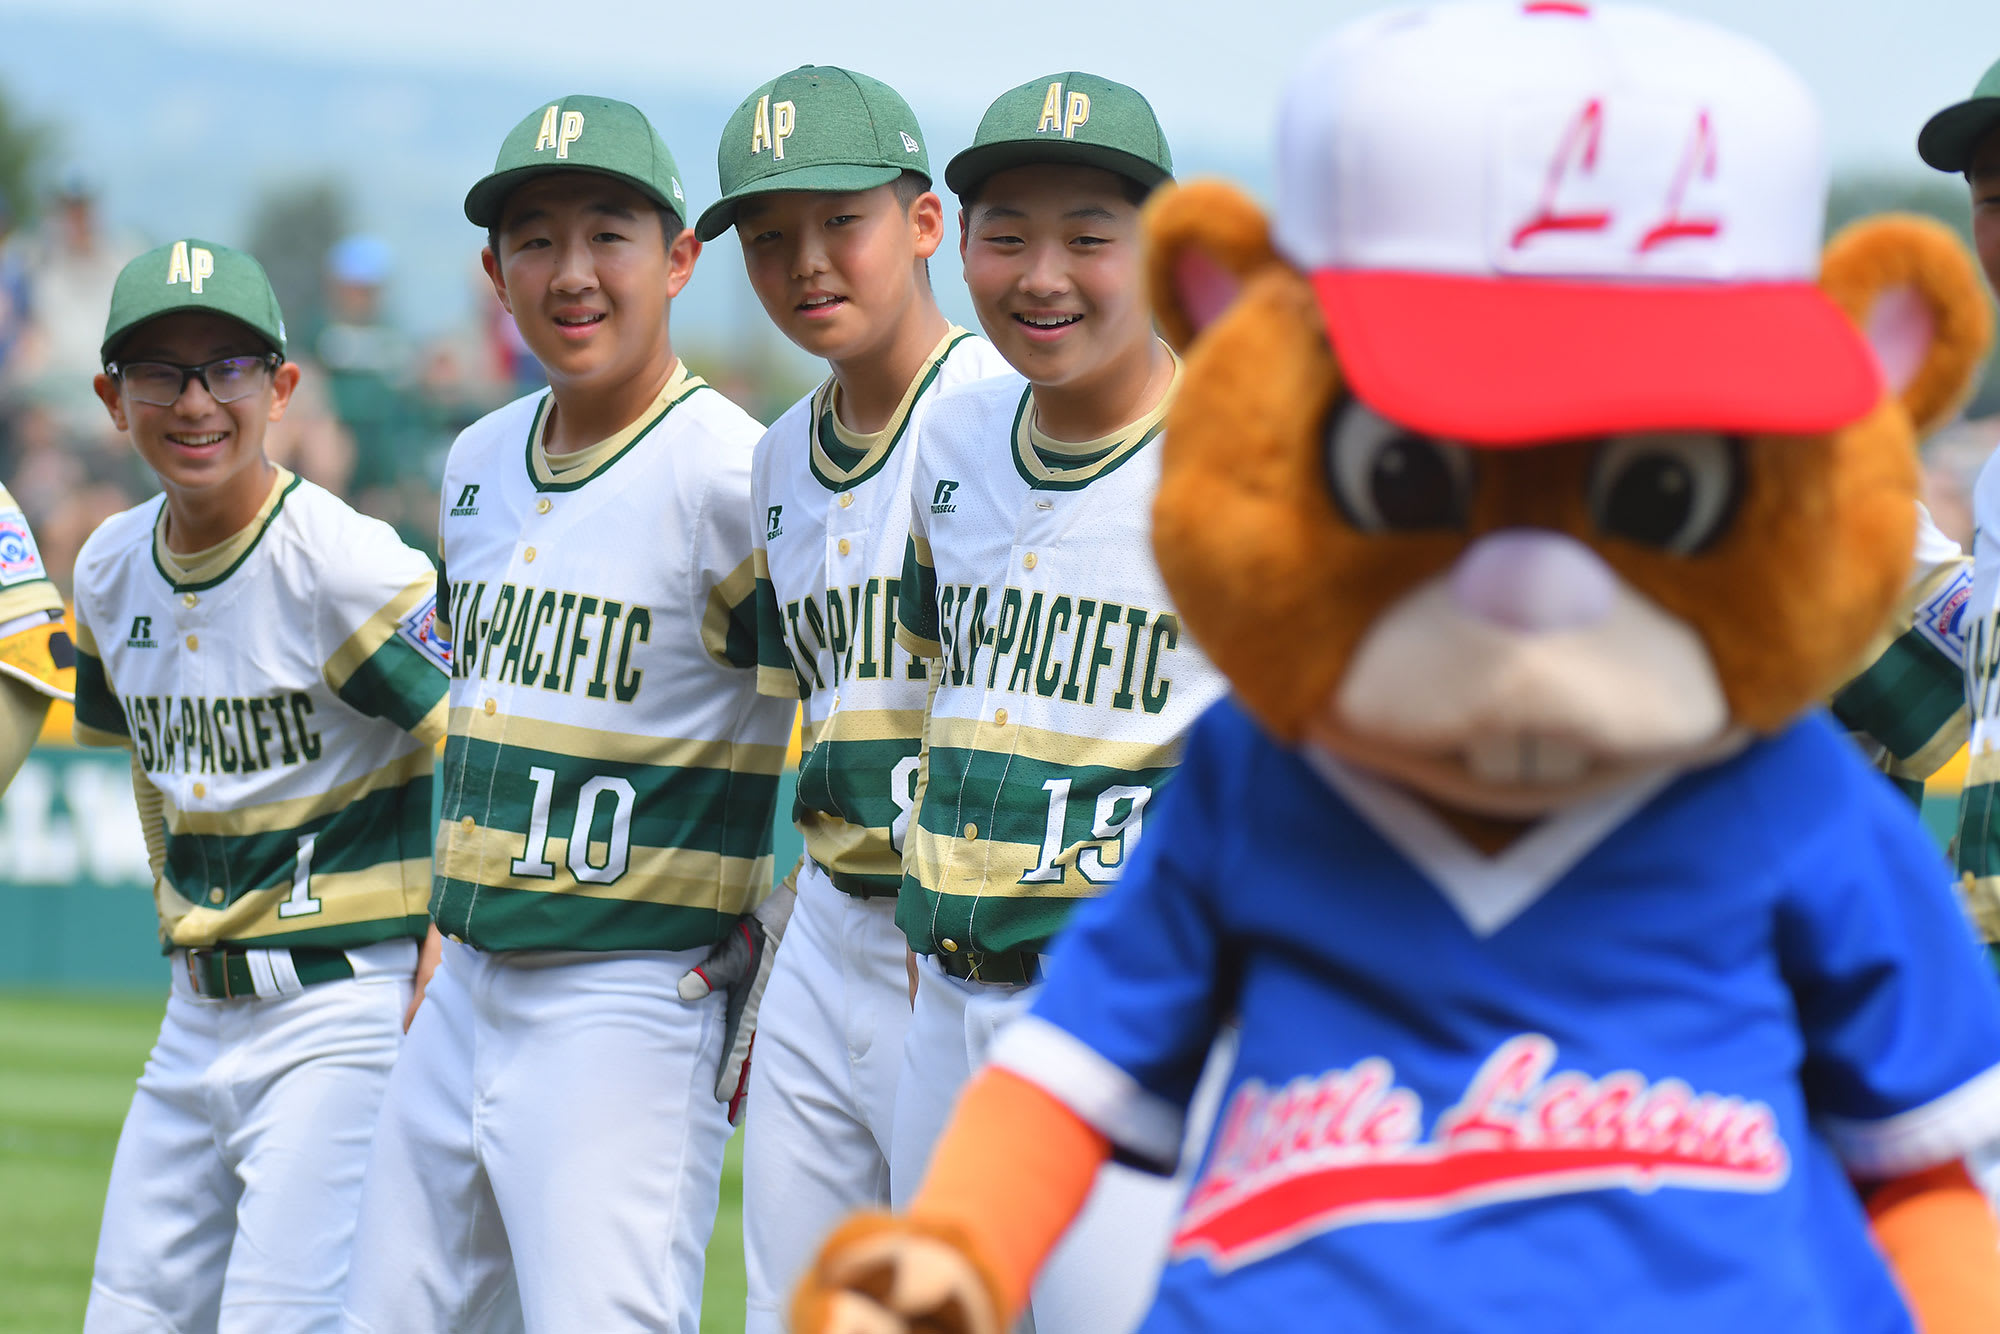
(1534, 581)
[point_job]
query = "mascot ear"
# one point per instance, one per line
(1910, 286)
(1203, 243)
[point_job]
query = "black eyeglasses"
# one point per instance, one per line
(161, 383)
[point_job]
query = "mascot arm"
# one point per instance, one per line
(1938, 1233)
(1010, 1174)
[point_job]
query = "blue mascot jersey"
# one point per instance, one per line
(1616, 1077)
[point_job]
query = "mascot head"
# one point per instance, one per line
(1536, 444)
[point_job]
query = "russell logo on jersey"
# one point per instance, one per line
(1345, 1147)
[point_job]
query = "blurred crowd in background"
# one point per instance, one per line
(377, 408)
(375, 412)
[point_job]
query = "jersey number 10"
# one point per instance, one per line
(533, 860)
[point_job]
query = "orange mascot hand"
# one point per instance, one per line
(1011, 1173)
(1940, 1238)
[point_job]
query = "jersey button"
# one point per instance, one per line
(215, 895)
(844, 547)
(846, 499)
(466, 826)
(489, 706)
(1028, 561)
(200, 790)
(1000, 717)
(542, 506)
(189, 599)
(948, 945)
(193, 642)
(529, 555)
(972, 831)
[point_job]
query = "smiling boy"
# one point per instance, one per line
(827, 182)
(1064, 683)
(1965, 138)
(610, 781)
(266, 656)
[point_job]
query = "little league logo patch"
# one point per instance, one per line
(20, 560)
(1941, 618)
(1346, 1147)
(418, 629)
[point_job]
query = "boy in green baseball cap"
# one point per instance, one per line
(826, 178)
(610, 782)
(265, 655)
(1063, 683)
(1965, 138)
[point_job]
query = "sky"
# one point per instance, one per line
(187, 110)
(1213, 69)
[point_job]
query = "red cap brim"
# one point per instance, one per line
(1523, 361)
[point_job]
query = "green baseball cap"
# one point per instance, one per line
(1066, 118)
(194, 275)
(817, 128)
(1948, 139)
(592, 134)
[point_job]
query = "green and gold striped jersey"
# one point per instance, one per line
(1065, 683)
(281, 694)
(1906, 707)
(34, 648)
(1977, 848)
(829, 556)
(611, 775)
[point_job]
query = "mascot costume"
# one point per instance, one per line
(1533, 475)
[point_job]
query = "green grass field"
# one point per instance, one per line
(67, 1065)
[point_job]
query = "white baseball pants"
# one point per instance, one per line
(822, 1086)
(234, 1192)
(1101, 1276)
(549, 1153)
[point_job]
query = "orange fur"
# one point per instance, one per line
(1263, 566)
(811, 1299)
(1873, 256)
(1939, 1235)
(1213, 217)
(1012, 1219)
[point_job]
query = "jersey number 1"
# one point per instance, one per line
(301, 903)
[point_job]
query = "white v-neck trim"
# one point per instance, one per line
(1487, 892)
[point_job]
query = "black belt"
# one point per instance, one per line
(858, 887)
(1012, 967)
(224, 973)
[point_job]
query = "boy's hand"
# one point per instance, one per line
(428, 955)
(741, 965)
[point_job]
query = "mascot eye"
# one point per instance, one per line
(1672, 491)
(1386, 477)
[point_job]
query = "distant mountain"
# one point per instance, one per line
(184, 137)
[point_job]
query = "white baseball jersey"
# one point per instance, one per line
(1066, 682)
(281, 694)
(829, 556)
(611, 774)
(1978, 842)
(1907, 706)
